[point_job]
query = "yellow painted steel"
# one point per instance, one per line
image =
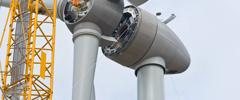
(37, 81)
(43, 65)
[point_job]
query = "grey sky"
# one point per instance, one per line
(209, 29)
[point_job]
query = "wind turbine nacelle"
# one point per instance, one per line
(142, 36)
(137, 2)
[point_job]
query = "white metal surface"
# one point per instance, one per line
(151, 80)
(86, 43)
(93, 96)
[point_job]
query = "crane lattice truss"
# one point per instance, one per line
(29, 67)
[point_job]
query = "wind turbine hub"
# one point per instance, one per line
(73, 14)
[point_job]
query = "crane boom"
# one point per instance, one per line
(29, 67)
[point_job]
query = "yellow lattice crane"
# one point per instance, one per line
(28, 73)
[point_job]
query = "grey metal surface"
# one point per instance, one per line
(151, 81)
(5, 3)
(0, 4)
(137, 2)
(86, 42)
(93, 96)
(105, 13)
(140, 42)
(19, 52)
(168, 46)
(123, 33)
(153, 38)
(60, 5)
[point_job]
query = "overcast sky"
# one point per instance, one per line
(210, 29)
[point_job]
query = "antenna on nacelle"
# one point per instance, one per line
(169, 19)
(158, 14)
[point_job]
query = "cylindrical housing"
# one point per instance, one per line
(152, 38)
(105, 13)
